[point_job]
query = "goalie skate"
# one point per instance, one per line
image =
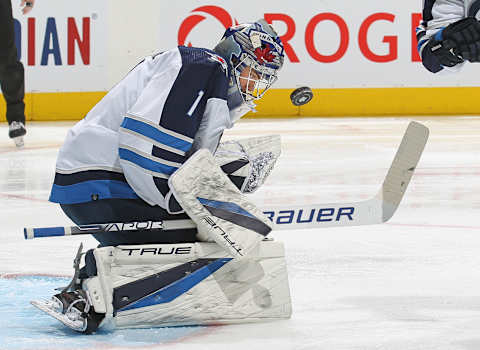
(72, 309)
(72, 320)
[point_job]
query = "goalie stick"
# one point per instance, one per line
(376, 210)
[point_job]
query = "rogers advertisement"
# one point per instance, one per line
(329, 43)
(90, 45)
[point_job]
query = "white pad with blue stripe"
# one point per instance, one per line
(188, 284)
(219, 209)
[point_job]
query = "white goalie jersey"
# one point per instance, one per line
(144, 129)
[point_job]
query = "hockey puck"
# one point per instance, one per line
(301, 96)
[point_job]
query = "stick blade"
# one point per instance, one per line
(402, 168)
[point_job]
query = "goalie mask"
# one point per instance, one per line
(254, 54)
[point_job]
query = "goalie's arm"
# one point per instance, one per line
(216, 117)
(208, 137)
(161, 129)
(448, 35)
(437, 15)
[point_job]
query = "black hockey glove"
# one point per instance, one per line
(446, 57)
(458, 42)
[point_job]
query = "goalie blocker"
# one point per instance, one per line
(218, 208)
(175, 285)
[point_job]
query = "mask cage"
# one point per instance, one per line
(258, 80)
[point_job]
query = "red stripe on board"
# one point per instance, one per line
(16, 196)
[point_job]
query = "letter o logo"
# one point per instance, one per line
(344, 37)
(194, 19)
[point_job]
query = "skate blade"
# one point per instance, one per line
(45, 306)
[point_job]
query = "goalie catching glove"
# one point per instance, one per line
(458, 42)
(248, 162)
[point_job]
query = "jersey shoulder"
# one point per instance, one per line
(202, 58)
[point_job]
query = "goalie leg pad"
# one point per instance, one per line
(219, 209)
(189, 284)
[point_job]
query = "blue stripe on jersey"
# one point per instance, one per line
(145, 163)
(420, 43)
(91, 190)
(420, 34)
(155, 134)
(227, 206)
(439, 34)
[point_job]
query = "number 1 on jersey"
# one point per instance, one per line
(195, 104)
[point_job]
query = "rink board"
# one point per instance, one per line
(359, 58)
(276, 103)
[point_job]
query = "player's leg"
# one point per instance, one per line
(12, 78)
(239, 278)
(127, 210)
(175, 285)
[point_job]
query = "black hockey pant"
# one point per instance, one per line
(127, 210)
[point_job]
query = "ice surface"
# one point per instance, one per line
(413, 283)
